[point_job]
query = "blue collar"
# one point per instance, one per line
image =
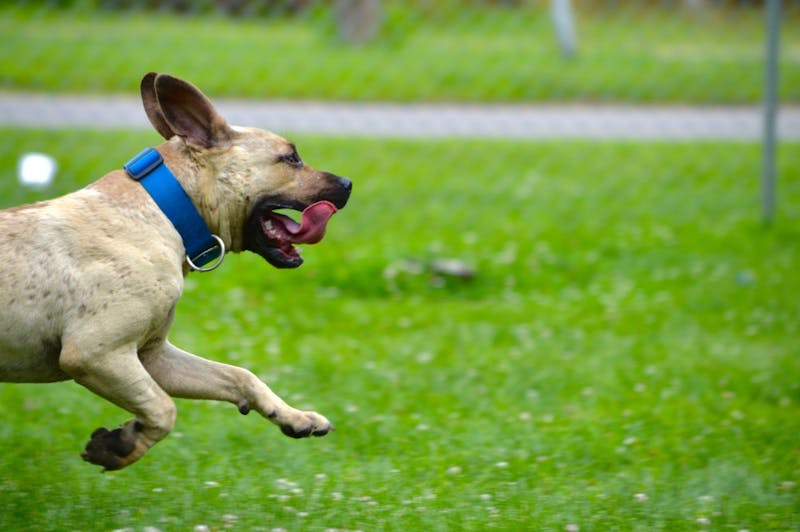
(201, 246)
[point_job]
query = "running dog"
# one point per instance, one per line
(89, 281)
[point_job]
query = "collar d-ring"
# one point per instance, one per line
(218, 248)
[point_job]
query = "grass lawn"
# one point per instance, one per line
(627, 356)
(474, 54)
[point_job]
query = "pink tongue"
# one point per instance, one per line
(312, 223)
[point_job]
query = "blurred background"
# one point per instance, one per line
(666, 51)
(672, 69)
(668, 69)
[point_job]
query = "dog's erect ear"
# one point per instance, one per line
(151, 107)
(176, 107)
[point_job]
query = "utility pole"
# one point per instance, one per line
(773, 27)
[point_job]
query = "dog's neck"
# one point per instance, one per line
(201, 182)
(201, 245)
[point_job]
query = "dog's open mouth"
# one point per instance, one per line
(284, 231)
(279, 233)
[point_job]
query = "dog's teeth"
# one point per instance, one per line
(268, 225)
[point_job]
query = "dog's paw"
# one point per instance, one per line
(111, 448)
(307, 424)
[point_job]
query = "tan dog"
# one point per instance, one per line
(89, 281)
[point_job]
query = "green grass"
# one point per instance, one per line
(472, 54)
(631, 329)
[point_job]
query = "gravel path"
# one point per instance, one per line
(546, 121)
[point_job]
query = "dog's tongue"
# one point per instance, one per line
(312, 224)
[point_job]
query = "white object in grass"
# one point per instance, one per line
(36, 170)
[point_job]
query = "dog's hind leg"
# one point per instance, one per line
(188, 376)
(119, 376)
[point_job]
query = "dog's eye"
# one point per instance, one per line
(292, 159)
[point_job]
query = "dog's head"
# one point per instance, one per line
(239, 177)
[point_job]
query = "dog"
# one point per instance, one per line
(89, 281)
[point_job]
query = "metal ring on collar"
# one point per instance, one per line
(220, 245)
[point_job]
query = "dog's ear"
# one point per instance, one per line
(151, 107)
(176, 107)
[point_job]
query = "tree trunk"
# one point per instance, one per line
(359, 20)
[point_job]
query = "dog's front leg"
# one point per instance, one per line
(118, 375)
(188, 376)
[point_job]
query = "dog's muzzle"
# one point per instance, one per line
(273, 235)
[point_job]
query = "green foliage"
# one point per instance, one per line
(470, 54)
(624, 358)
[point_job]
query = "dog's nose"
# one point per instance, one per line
(343, 188)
